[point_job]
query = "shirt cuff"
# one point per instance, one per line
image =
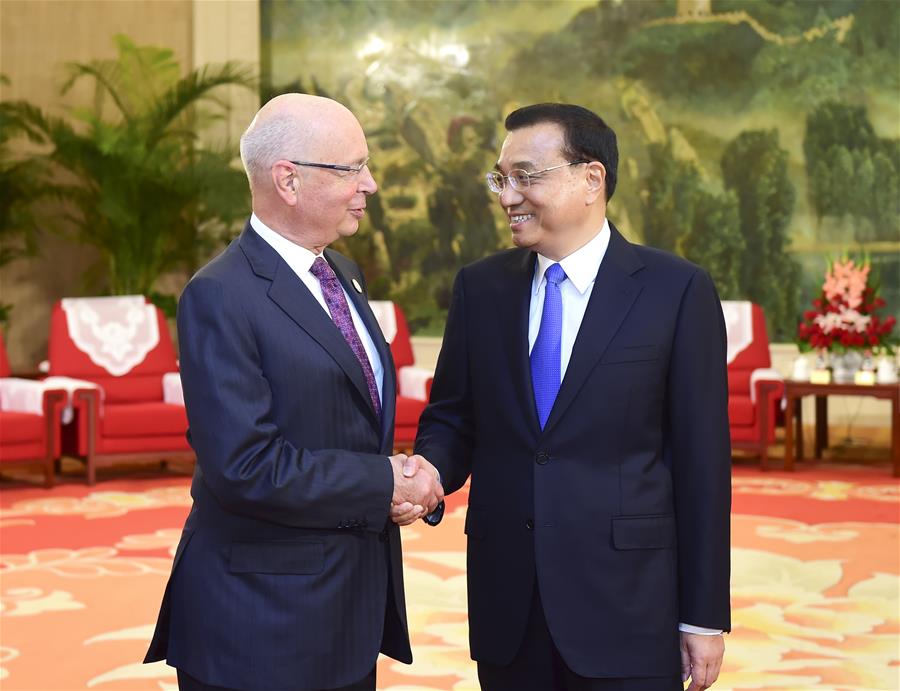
(702, 631)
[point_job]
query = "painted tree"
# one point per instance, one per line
(754, 167)
(669, 197)
(715, 241)
(682, 215)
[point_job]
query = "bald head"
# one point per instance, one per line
(306, 158)
(293, 127)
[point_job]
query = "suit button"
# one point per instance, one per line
(542, 458)
(529, 524)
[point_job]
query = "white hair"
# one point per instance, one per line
(264, 142)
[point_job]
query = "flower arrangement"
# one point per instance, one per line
(844, 316)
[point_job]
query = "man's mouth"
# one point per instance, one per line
(358, 213)
(518, 219)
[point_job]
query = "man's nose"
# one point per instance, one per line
(509, 196)
(367, 183)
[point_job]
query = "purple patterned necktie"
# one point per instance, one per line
(340, 315)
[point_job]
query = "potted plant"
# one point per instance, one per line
(20, 186)
(845, 322)
(136, 182)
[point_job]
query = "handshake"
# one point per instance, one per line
(417, 489)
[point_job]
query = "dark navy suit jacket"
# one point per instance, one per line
(281, 580)
(620, 506)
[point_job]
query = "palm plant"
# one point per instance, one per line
(20, 187)
(138, 186)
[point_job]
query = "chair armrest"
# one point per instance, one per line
(70, 386)
(22, 395)
(28, 395)
(172, 390)
(766, 383)
(415, 382)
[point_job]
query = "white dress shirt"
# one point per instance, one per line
(581, 269)
(301, 260)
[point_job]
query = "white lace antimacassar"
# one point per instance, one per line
(116, 333)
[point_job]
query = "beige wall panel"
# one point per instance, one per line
(229, 30)
(37, 37)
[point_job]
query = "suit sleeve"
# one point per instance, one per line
(445, 428)
(245, 461)
(699, 449)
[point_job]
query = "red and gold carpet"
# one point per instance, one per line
(816, 584)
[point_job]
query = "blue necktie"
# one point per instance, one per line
(546, 353)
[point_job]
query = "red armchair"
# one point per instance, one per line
(125, 349)
(754, 388)
(29, 421)
(413, 383)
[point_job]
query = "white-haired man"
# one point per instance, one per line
(288, 575)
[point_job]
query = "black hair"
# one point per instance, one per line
(586, 136)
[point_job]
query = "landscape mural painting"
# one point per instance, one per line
(757, 138)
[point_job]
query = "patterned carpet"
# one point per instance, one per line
(816, 584)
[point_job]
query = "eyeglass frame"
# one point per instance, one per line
(488, 177)
(334, 166)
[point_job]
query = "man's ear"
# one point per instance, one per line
(286, 183)
(596, 182)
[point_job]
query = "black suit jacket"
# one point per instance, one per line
(620, 506)
(282, 577)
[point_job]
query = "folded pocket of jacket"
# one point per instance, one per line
(630, 354)
(282, 556)
(643, 532)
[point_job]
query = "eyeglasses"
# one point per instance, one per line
(335, 166)
(519, 179)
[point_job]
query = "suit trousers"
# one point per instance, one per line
(539, 665)
(188, 683)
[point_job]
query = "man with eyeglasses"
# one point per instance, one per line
(582, 386)
(288, 575)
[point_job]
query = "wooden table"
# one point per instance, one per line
(794, 391)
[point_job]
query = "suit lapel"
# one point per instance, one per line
(513, 289)
(614, 292)
(347, 273)
(289, 293)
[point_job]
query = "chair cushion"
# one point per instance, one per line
(142, 420)
(741, 411)
(132, 388)
(16, 428)
(158, 446)
(409, 410)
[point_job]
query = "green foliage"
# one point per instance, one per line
(754, 166)
(137, 184)
(715, 242)
(852, 173)
(670, 196)
(682, 215)
(20, 188)
(674, 60)
(873, 40)
(804, 74)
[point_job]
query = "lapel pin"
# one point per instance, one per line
(357, 286)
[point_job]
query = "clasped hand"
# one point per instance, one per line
(417, 490)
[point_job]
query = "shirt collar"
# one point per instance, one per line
(581, 266)
(298, 258)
